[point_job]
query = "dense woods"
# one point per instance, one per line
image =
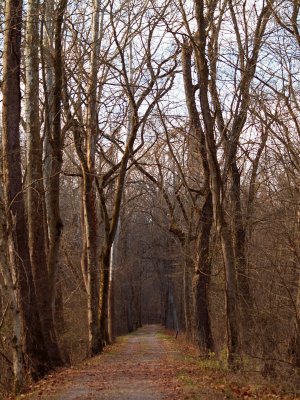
(150, 174)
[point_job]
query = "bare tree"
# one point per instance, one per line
(54, 150)
(205, 43)
(19, 258)
(35, 199)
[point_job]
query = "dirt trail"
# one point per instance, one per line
(150, 365)
(138, 367)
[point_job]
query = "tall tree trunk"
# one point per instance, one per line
(111, 303)
(35, 192)
(188, 262)
(47, 51)
(90, 217)
(12, 295)
(83, 258)
(36, 354)
(89, 262)
(55, 146)
(91, 213)
(239, 239)
(233, 344)
(90, 233)
(104, 315)
(201, 320)
(233, 339)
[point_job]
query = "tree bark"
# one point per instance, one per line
(55, 145)
(89, 259)
(233, 344)
(90, 216)
(201, 319)
(188, 262)
(12, 295)
(37, 357)
(35, 191)
(90, 239)
(104, 312)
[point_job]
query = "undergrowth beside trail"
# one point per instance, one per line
(197, 373)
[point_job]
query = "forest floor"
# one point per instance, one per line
(150, 364)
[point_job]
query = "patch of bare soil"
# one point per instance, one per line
(146, 365)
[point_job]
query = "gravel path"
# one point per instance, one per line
(150, 365)
(137, 368)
